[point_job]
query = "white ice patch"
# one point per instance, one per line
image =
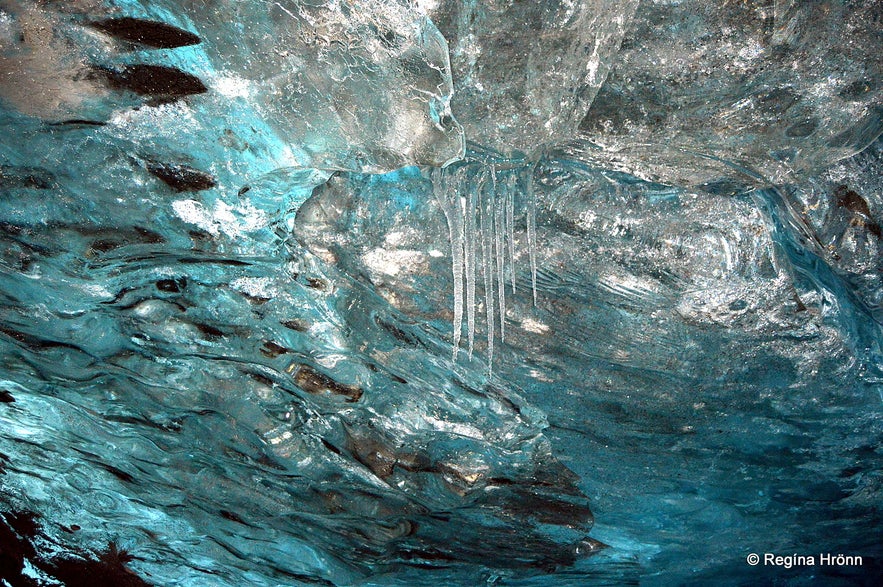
(222, 218)
(464, 430)
(535, 326)
(256, 287)
(539, 376)
(749, 52)
(392, 262)
(7, 29)
(173, 119)
(97, 291)
(400, 237)
(194, 212)
(232, 86)
(427, 6)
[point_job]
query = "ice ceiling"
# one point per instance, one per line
(439, 292)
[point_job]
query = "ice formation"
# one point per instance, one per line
(437, 292)
(479, 204)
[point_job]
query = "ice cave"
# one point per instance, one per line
(403, 293)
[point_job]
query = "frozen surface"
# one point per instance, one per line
(362, 87)
(783, 88)
(525, 73)
(266, 320)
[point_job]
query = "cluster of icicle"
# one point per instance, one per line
(478, 201)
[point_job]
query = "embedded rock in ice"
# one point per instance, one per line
(784, 88)
(349, 86)
(526, 72)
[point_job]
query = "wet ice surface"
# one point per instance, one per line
(227, 346)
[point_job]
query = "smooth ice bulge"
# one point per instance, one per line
(525, 73)
(361, 86)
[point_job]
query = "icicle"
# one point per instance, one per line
(470, 206)
(532, 233)
(497, 202)
(510, 226)
(484, 215)
(486, 226)
(450, 204)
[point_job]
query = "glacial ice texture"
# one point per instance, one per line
(266, 318)
(784, 89)
(526, 72)
(362, 87)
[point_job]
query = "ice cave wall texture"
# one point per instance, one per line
(440, 292)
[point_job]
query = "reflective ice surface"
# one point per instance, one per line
(783, 88)
(421, 293)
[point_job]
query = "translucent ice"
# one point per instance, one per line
(239, 240)
(525, 73)
(361, 87)
(783, 88)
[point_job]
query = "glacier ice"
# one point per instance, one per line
(320, 73)
(784, 89)
(439, 292)
(525, 73)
